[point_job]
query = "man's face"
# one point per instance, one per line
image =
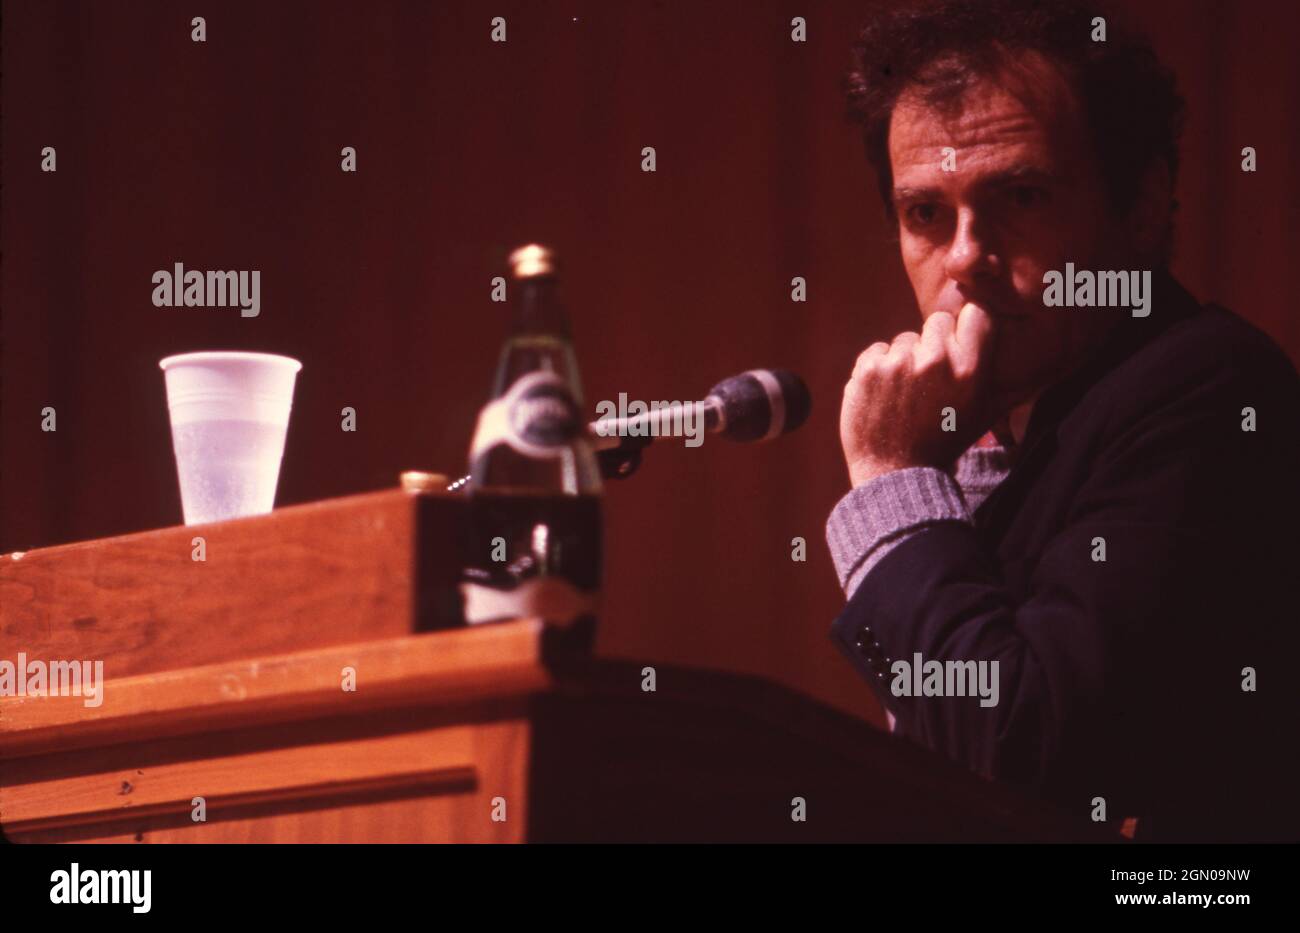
(1024, 198)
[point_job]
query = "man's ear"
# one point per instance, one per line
(1151, 217)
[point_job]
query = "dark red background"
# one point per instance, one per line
(225, 155)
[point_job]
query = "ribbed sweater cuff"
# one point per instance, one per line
(979, 471)
(874, 518)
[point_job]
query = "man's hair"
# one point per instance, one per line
(938, 47)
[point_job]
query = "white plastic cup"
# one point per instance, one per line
(229, 415)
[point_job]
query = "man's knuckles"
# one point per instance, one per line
(866, 359)
(931, 353)
(940, 324)
(904, 342)
(930, 360)
(879, 348)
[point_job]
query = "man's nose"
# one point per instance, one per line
(971, 254)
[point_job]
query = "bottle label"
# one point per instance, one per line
(537, 417)
(553, 599)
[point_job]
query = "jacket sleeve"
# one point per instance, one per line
(1188, 508)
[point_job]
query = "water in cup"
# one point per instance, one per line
(227, 468)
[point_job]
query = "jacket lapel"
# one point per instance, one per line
(1170, 303)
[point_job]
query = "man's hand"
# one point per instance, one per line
(892, 416)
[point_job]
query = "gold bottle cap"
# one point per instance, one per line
(532, 260)
(419, 481)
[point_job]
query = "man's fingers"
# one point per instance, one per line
(935, 335)
(903, 345)
(879, 348)
(971, 338)
(874, 352)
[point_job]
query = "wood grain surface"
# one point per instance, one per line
(328, 573)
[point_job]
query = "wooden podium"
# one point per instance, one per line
(295, 685)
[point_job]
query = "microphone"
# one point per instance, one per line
(756, 405)
(761, 404)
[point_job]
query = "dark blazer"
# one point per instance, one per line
(1123, 679)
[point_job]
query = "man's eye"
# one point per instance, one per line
(1027, 196)
(922, 214)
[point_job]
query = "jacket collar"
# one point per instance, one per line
(1170, 303)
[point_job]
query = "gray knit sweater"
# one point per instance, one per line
(874, 518)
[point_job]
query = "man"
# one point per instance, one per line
(1094, 505)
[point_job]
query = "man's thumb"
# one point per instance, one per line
(972, 338)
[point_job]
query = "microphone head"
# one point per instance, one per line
(761, 404)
